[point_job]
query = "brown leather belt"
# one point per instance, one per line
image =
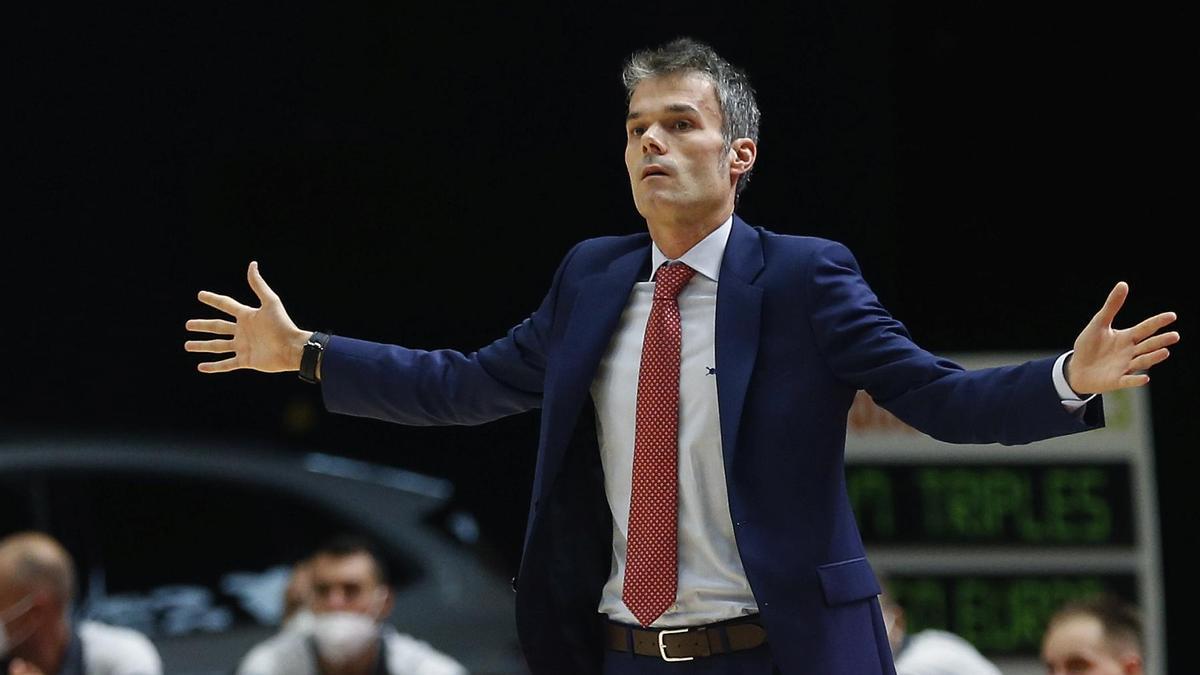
(685, 644)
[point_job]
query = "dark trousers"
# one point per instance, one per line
(755, 661)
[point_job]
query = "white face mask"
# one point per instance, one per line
(8, 642)
(342, 636)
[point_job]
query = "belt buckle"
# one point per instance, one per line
(662, 647)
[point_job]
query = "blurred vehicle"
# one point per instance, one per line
(191, 543)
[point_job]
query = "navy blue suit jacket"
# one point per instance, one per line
(798, 332)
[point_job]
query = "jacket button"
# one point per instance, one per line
(514, 584)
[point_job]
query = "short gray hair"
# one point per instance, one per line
(735, 96)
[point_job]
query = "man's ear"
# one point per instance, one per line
(389, 603)
(742, 153)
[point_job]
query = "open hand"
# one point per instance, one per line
(260, 338)
(1106, 358)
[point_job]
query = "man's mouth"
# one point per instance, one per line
(653, 170)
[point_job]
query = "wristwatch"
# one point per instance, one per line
(312, 356)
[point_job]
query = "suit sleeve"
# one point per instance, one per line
(868, 349)
(442, 387)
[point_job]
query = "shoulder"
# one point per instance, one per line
(117, 651)
(406, 654)
(799, 247)
(598, 252)
(935, 651)
(795, 261)
(284, 652)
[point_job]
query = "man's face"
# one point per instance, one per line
(1076, 646)
(674, 150)
(347, 583)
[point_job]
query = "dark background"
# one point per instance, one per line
(414, 175)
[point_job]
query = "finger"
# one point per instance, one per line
(209, 346)
(22, 667)
(259, 285)
(222, 302)
(1156, 342)
(1132, 381)
(1151, 326)
(1116, 298)
(1145, 361)
(218, 326)
(218, 366)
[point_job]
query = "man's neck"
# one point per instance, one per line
(674, 238)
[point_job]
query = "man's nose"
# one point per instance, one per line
(336, 599)
(652, 141)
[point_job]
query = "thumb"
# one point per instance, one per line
(1116, 298)
(259, 285)
(22, 667)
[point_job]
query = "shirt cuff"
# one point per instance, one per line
(1070, 400)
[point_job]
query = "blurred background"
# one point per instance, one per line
(996, 169)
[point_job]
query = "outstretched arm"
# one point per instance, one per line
(867, 348)
(1107, 358)
(387, 382)
(260, 338)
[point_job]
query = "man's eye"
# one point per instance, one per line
(683, 124)
(637, 131)
(1078, 665)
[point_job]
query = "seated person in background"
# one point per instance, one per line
(37, 636)
(1097, 636)
(929, 652)
(350, 599)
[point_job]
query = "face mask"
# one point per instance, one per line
(8, 642)
(342, 636)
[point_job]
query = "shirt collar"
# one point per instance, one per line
(705, 257)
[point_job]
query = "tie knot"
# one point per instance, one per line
(671, 279)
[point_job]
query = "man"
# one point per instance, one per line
(1099, 636)
(349, 599)
(37, 636)
(929, 652)
(721, 382)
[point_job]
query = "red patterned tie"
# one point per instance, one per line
(651, 566)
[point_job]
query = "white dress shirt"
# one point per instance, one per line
(113, 650)
(712, 583)
(935, 652)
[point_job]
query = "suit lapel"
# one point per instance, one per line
(739, 310)
(597, 308)
(601, 300)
